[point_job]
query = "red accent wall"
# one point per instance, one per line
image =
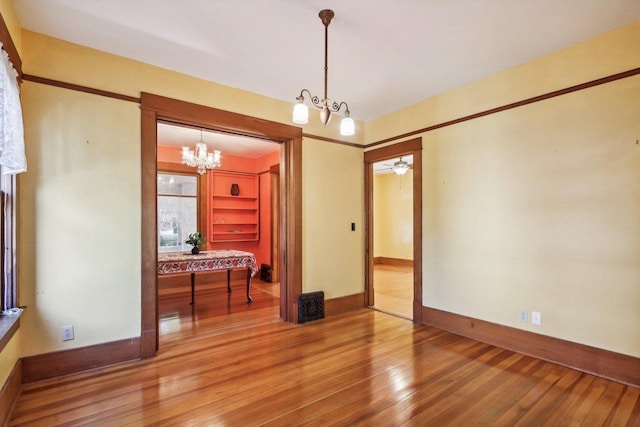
(260, 166)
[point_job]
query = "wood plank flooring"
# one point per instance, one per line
(228, 363)
(393, 289)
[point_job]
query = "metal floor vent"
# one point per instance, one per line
(310, 306)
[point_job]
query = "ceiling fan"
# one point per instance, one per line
(399, 167)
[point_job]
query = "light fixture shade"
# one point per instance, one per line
(300, 114)
(400, 167)
(187, 155)
(347, 127)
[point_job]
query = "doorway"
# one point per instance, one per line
(414, 148)
(156, 108)
(393, 236)
(192, 200)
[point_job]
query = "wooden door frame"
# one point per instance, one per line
(413, 146)
(274, 178)
(155, 108)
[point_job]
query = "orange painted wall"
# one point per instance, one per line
(261, 165)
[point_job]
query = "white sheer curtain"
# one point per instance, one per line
(12, 162)
(12, 156)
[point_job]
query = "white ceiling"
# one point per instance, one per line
(241, 146)
(383, 54)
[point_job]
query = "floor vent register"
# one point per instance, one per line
(310, 306)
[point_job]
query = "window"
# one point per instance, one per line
(12, 162)
(177, 211)
(7, 255)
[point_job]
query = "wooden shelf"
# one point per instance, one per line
(237, 240)
(228, 196)
(234, 232)
(230, 208)
(222, 224)
(241, 212)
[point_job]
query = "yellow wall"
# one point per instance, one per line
(537, 208)
(9, 356)
(80, 218)
(10, 18)
(393, 215)
(80, 199)
(333, 198)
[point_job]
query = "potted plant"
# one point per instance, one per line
(196, 239)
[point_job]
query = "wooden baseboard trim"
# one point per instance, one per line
(393, 261)
(603, 363)
(339, 305)
(10, 392)
(55, 364)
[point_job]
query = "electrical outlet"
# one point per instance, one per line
(536, 318)
(524, 316)
(67, 333)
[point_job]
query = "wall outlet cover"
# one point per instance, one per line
(67, 333)
(524, 316)
(536, 318)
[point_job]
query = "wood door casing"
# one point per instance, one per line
(413, 146)
(154, 108)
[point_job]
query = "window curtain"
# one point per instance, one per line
(12, 157)
(12, 162)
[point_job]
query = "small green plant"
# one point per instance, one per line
(195, 239)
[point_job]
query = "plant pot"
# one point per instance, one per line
(195, 250)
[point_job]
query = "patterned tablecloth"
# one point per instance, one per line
(185, 262)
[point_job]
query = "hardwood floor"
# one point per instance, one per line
(228, 363)
(393, 289)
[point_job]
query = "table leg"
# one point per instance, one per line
(249, 300)
(228, 281)
(193, 288)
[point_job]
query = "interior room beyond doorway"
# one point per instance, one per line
(393, 236)
(232, 206)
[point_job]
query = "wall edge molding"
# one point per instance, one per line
(592, 360)
(339, 305)
(65, 362)
(527, 101)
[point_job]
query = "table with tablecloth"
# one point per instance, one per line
(208, 261)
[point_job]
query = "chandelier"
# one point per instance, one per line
(200, 158)
(326, 106)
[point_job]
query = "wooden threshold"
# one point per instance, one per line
(393, 261)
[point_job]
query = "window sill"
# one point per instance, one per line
(9, 324)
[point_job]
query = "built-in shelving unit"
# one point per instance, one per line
(234, 218)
